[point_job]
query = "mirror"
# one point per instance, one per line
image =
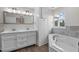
(9, 18)
(28, 19)
(12, 18)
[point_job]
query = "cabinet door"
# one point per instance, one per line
(22, 44)
(21, 37)
(8, 44)
(31, 36)
(21, 40)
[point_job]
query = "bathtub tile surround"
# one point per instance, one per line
(63, 31)
(69, 31)
(74, 28)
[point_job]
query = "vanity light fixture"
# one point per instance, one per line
(18, 11)
(27, 13)
(8, 10)
(23, 12)
(30, 14)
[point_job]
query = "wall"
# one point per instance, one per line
(1, 19)
(47, 13)
(66, 32)
(71, 15)
(1, 15)
(71, 21)
(8, 27)
(1, 22)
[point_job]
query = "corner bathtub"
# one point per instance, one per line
(62, 43)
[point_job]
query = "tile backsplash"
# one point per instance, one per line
(9, 27)
(69, 31)
(74, 28)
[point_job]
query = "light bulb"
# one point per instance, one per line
(14, 11)
(30, 13)
(23, 12)
(19, 12)
(27, 13)
(9, 10)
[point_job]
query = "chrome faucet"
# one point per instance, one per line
(54, 37)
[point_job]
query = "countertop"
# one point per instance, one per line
(4, 32)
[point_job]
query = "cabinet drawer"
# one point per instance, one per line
(31, 34)
(21, 33)
(7, 35)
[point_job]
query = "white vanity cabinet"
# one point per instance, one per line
(13, 41)
(26, 39)
(8, 42)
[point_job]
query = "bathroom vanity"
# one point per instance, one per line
(12, 40)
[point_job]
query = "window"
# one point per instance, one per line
(59, 20)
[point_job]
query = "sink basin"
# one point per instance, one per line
(13, 29)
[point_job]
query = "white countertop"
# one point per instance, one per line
(17, 31)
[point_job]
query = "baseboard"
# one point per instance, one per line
(42, 44)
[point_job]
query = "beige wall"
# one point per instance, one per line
(71, 15)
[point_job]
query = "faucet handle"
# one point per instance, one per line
(13, 29)
(27, 28)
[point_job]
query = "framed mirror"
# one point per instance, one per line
(12, 18)
(9, 18)
(29, 19)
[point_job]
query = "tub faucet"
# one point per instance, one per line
(54, 37)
